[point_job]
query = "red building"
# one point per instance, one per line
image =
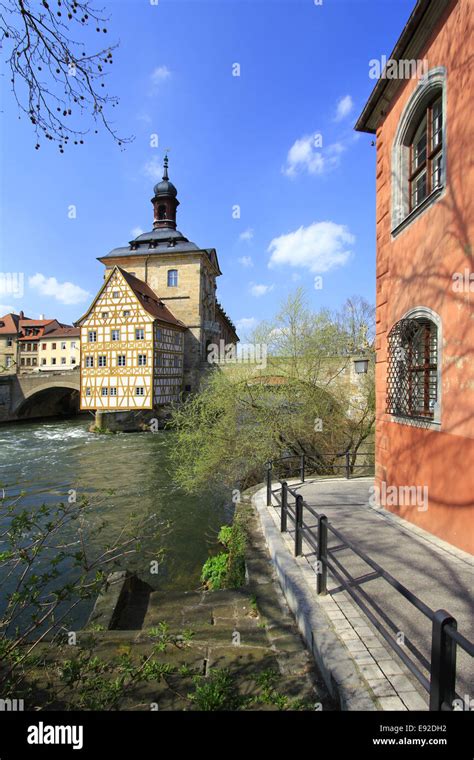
(425, 282)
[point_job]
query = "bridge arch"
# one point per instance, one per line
(53, 396)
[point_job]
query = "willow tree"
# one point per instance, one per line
(301, 402)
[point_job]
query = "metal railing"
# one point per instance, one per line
(349, 464)
(445, 638)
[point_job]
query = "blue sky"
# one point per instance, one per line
(278, 141)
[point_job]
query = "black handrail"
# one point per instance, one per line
(444, 637)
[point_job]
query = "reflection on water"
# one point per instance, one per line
(47, 459)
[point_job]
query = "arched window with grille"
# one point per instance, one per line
(413, 370)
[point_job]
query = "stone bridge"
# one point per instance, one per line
(39, 394)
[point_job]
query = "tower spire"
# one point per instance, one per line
(165, 201)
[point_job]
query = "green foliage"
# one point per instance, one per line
(215, 692)
(214, 570)
(50, 562)
(245, 415)
(227, 569)
(225, 534)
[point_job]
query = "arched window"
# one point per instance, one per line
(419, 150)
(161, 212)
(426, 154)
(172, 278)
(413, 367)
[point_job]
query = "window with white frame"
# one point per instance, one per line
(113, 391)
(115, 335)
(141, 360)
(91, 337)
(89, 361)
(172, 278)
(102, 361)
(139, 333)
(121, 360)
(139, 390)
(104, 391)
(419, 150)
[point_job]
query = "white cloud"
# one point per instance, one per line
(260, 290)
(159, 75)
(4, 309)
(246, 261)
(153, 169)
(344, 107)
(136, 232)
(246, 323)
(308, 154)
(65, 292)
(246, 234)
(319, 247)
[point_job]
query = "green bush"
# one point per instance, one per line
(215, 570)
(227, 569)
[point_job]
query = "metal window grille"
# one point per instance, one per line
(412, 374)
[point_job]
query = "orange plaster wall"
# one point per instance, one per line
(416, 269)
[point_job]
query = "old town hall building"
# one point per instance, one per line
(144, 338)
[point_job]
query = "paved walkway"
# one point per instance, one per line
(439, 574)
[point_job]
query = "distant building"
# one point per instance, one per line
(9, 331)
(60, 349)
(30, 345)
(145, 337)
(425, 278)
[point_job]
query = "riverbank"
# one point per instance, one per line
(232, 649)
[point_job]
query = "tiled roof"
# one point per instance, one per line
(64, 332)
(10, 324)
(149, 300)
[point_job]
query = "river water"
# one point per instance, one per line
(46, 459)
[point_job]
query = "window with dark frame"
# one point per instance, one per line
(412, 370)
(426, 155)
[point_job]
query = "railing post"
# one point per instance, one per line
(298, 525)
(284, 506)
(302, 468)
(269, 484)
(322, 553)
(348, 465)
(443, 663)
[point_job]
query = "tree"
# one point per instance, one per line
(54, 81)
(303, 402)
(53, 558)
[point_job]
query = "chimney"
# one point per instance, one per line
(22, 316)
(41, 316)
